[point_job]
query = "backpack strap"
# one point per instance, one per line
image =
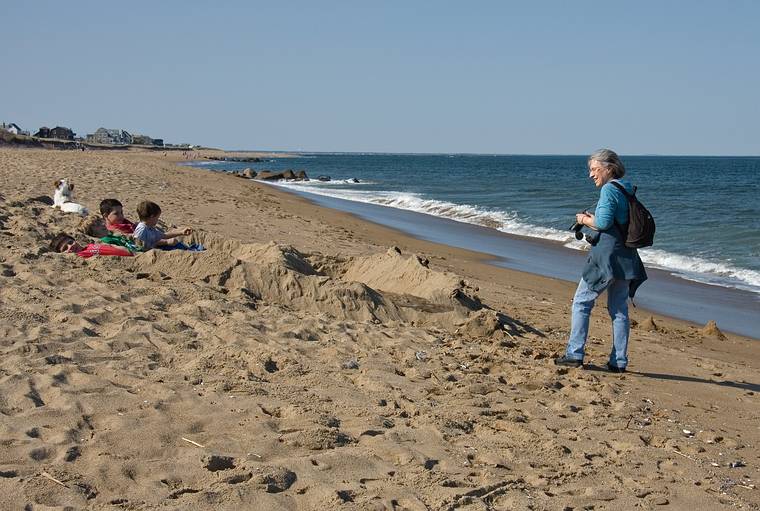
(631, 198)
(620, 187)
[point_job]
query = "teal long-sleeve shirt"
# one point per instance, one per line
(612, 205)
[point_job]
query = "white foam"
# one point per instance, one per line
(503, 221)
(689, 267)
(703, 270)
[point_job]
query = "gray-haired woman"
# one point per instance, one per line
(611, 266)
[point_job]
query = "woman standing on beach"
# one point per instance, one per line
(610, 266)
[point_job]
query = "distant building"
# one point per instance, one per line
(146, 140)
(59, 132)
(110, 137)
(12, 127)
(142, 140)
(62, 133)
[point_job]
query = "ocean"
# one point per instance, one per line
(707, 209)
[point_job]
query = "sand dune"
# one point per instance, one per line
(304, 361)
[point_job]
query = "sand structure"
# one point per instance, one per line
(309, 360)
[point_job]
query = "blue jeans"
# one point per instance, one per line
(617, 306)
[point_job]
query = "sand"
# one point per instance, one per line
(310, 360)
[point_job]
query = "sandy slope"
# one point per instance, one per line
(303, 363)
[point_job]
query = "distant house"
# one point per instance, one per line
(146, 140)
(110, 137)
(62, 133)
(141, 139)
(12, 127)
(59, 132)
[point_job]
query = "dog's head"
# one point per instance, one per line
(64, 187)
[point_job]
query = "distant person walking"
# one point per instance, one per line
(610, 266)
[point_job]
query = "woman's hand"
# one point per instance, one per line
(586, 219)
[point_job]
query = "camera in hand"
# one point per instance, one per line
(577, 228)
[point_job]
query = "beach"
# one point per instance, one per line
(310, 359)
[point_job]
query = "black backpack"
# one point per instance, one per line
(640, 221)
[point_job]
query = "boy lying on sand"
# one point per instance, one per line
(62, 242)
(96, 227)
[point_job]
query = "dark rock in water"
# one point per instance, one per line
(353, 180)
(323, 178)
(248, 173)
(269, 175)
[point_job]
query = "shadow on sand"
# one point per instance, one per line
(752, 387)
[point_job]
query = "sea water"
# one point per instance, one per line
(707, 209)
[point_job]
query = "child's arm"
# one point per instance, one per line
(185, 231)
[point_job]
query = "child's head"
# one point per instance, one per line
(148, 212)
(93, 226)
(62, 242)
(112, 211)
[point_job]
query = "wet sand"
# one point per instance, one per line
(302, 362)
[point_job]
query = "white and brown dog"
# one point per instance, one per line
(63, 198)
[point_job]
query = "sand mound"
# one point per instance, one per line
(378, 288)
(483, 323)
(711, 330)
(649, 325)
(403, 275)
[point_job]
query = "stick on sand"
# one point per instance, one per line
(48, 476)
(194, 443)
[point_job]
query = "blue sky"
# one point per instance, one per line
(537, 77)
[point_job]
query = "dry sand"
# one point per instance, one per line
(303, 362)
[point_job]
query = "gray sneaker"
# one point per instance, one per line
(568, 362)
